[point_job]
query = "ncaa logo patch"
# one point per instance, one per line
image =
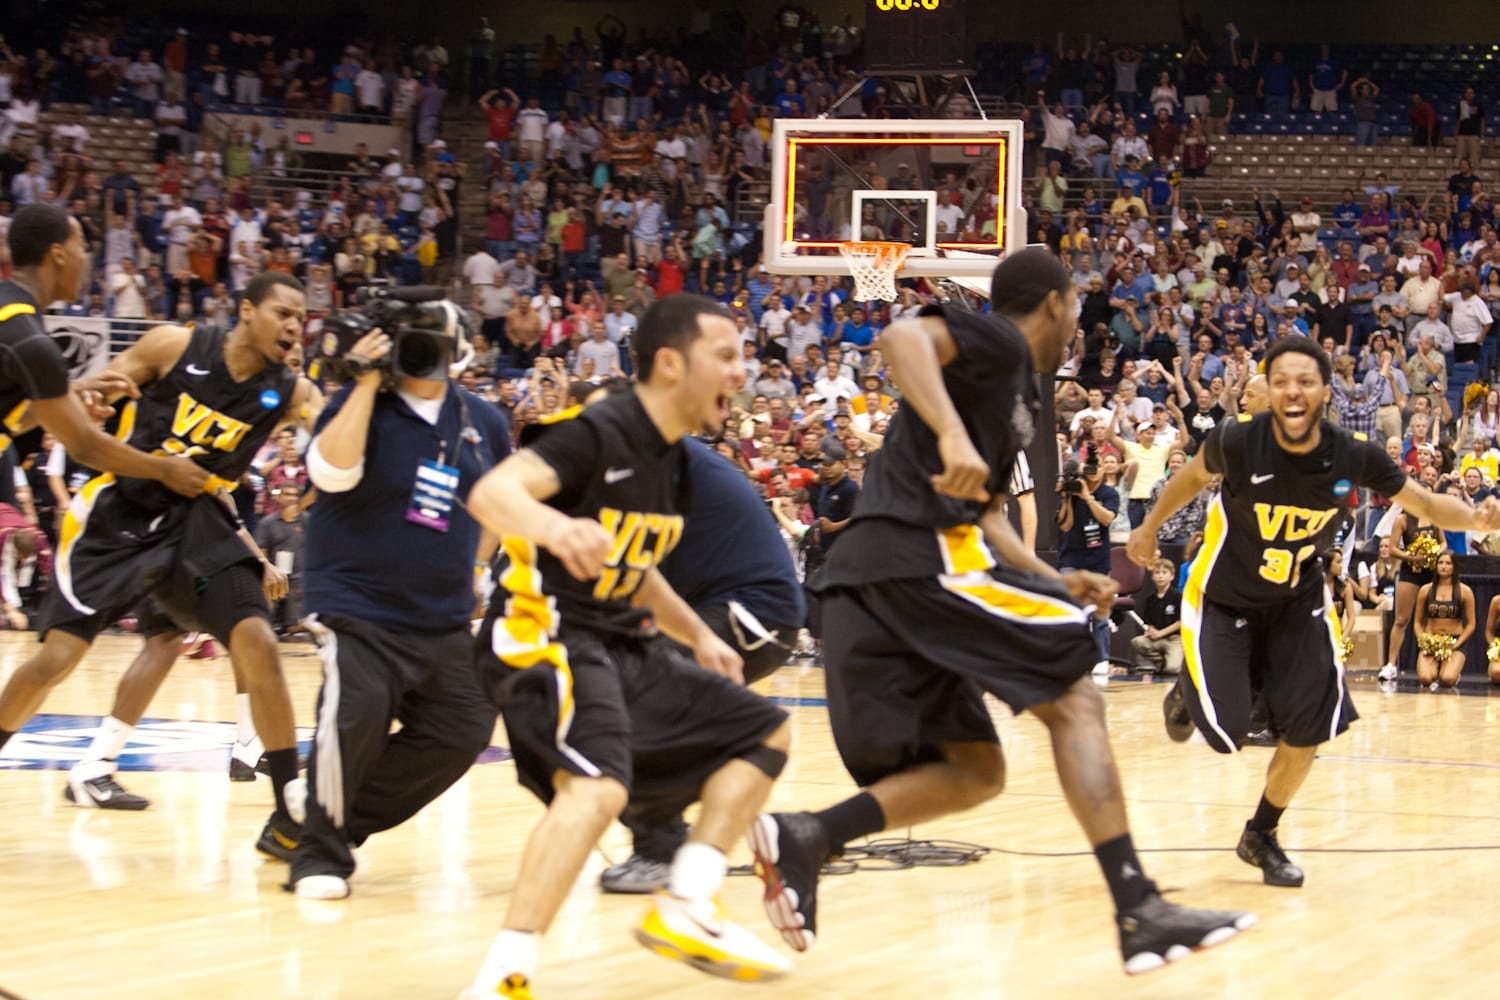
(270, 399)
(1342, 488)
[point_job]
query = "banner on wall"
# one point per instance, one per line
(84, 342)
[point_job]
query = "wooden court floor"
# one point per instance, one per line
(174, 902)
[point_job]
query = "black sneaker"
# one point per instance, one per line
(1175, 711)
(1156, 932)
(790, 849)
(1263, 738)
(1261, 849)
(103, 792)
(240, 771)
(279, 838)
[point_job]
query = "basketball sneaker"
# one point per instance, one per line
(1155, 932)
(699, 933)
(790, 849)
(635, 875)
(103, 792)
(279, 837)
(1174, 710)
(246, 760)
(513, 987)
(1389, 672)
(1261, 849)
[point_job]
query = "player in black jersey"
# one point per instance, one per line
(1255, 596)
(596, 714)
(47, 251)
(214, 398)
(931, 601)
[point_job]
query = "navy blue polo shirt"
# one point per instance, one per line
(364, 558)
(731, 547)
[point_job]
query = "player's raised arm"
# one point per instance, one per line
(142, 363)
(1448, 513)
(916, 352)
(510, 500)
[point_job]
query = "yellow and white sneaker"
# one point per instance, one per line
(699, 933)
(513, 987)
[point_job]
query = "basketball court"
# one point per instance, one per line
(1396, 829)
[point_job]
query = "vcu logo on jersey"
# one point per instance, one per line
(1293, 524)
(197, 427)
(640, 541)
(1287, 523)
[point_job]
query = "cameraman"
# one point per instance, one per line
(1087, 506)
(389, 589)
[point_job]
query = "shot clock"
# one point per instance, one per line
(918, 35)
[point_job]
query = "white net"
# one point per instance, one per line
(874, 267)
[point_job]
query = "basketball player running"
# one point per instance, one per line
(47, 251)
(1255, 594)
(596, 714)
(932, 600)
(214, 397)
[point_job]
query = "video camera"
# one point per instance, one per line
(429, 334)
(1075, 472)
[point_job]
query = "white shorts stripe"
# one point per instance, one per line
(329, 786)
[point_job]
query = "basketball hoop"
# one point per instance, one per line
(874, 265)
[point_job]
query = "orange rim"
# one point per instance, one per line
(883, 254)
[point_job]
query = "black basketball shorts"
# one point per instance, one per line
(909, 661)
(618, 707)
(1293, 649)
(189, 558)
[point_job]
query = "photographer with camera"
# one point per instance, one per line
(393, 457)
(1087, 506)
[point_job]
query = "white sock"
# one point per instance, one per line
(698, 871)
(244, 720)
(512, 952)
(101, 755)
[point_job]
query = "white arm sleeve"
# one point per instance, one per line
(329, 478)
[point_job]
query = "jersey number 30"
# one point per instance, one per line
(1282, 566)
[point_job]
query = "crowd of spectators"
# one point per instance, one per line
(614, 179)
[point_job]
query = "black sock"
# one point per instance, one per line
(851, 819)
(1267, 816)
(283, 765)
(5, 735)
(1122, 870)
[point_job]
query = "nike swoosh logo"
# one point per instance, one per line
(1257, 480)
(195, 370)
(715, 932)
(615, 475)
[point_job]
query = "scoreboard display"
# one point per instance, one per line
(918, 35)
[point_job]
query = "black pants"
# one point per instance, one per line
(361, 779)
(657, 836)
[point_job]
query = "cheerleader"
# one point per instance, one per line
(1444, 622)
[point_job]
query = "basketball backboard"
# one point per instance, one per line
(952, 189)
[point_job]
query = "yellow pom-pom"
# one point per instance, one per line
(1437, 645)
(1346, 647)
(1424, 551)
(1492, 651)
(1474, 394)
